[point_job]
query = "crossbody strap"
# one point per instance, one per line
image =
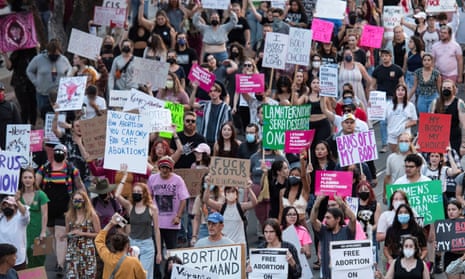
(117, 266)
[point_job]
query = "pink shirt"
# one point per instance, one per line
(445, 57)
(304, 236)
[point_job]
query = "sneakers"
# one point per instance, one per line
(60, 271)
(384, 149)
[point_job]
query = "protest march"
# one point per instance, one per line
(232, 139)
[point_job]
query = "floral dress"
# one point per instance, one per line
(81, 254)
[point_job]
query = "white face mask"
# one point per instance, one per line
(396, 204)
(316, 64)
(408, 253)
(230, 197)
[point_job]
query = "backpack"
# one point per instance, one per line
(69, 175)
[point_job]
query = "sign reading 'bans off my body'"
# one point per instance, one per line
(356, 148)
(434, 132)
(230, 171)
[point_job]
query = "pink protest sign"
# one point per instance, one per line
(17, 31)
(322, 30)
(203, 77)
(250, 83)
(296, 141)
(332, 182)
(37, 137)
(372, 36)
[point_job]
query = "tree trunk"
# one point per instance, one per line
(56, 28)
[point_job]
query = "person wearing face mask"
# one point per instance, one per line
(107, 51)
(14, 218)
(403, 225)
(174, 91)
(122, 68)
(186, 56)
(279, 26)
(175, 68)
(105, 204)
(251, 143)
(45, 71)
(9, 114)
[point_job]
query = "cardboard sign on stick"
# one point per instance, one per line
(275, 52)
(434, 132)
(230, 171)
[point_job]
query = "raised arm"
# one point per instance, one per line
(324, 108)
(124, 202)
(316, 224)
(206, 196)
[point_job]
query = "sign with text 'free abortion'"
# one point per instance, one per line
(434, 132)
(424, 197)
(268, 263)
(227, 261)
(279, 119)
(10, 166)
(230, 171)
(275, 51)
(351, 259)
(450, 235)
(356, 148)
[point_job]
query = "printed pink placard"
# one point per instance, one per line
(37, 137)
(296, 141)
(322, 30)
(203, 77)
(250, 83)
(372, 36)
(17, 31)
(331, 182)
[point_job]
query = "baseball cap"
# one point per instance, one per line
(60, 147)
(348, 116)
(166, 161)
(215, 217)
(203, 147)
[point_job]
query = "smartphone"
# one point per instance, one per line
(121, 221)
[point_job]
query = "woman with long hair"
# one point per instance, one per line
(174, 92)
(283, 91)
(244, 104)
(414, 59)
(160, 26)
(295, 14)
(290, 217)
(299, 88)
(159, 149)
(368, 211)
(277, 177)
(454, 211)
(397, 198)
(227, 144)
(175, 68)
(156, 49)
(426, 84)
(37, 200)
(401, 115)
(82, 226)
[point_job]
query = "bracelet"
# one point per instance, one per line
(122, 182)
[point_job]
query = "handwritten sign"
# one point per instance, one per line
(160, 119)
(230, 171)
(278, 4)
(436, 6)
(84, 44)
(216, 4)
(322, 30)
(193, 179)
(296, 141)
(225, 260)
(148, 70)
(118, 4)
(71, 91)
(434, 132)
(37, 139)
(372, 36)
(330, 9)
(392, 16)
(351, 258)
(329, 81)
(18, 140)
(94, 135)
(300, 44)
(113, 17)
(127, 140)
(275, 51)
(138, 100)
(10, 166)
(279, 119)
(17, 31)
(204, 78)
(33, 273)
(424, 197)
(449, 235)
(118, 98)
(49, 135)
(333, 182)
(377, 105)
(184, 272)
(268, 263)
(177, 115)
(250, 83)
(356, 148)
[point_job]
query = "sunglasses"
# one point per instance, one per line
(248, 65)
(189, 120)
(347, 111)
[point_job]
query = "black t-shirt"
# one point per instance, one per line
(164, 32)
(185, 58)
(275, 188)
(387, 78)
(237, 33)
(19, 61)
(399, 53)
(189, 143)
(360, 56)
(247, 149)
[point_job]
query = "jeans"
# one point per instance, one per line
(42, 102)
(383, 126)
(424, 102)
(147, 254)
(45, 17)
(409, 78)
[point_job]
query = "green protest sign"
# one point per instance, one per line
(424, 197)
(279, 119)
(177, 117)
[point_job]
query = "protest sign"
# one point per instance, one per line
(33, 273)
(18, 140)
(372, 36)
(434, 132)
(230, 171)
(296, 141)
(322, 30)
(37, 139)
(216, 4)
(449, 235)
(300, 44)
(159, 119)
(193, 179)
(49, 135)
(184, 272)
(177, 115)
(84, 44)
(268, 263)
(118, 4)
(279, 119)
(438, 6)
(93, 136)
(254, 83)
(228, 261)
(392, 16)
(71, 92)
(10, 166)
(425, 198)
(356, 148)
(118, 98)
(204, 78)
(377, 105)
(290, 235)
(148, 70)
(333, 182)
(329, 81)
(109, 16)
(278, 4)
(275, 51)
(138, 100)
(352, 203)
(330, 9)
(17, 31)
(351, 259)
(127, 140)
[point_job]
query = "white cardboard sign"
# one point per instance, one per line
(84, 44)
(71, 91)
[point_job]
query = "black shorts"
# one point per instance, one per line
(56, 217)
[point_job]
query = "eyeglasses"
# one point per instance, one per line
(291, 214)
(410, 166)
(189, 120)
(248, 65)
(347, 111)
(78, 201)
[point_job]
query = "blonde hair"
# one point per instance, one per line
(71, 215)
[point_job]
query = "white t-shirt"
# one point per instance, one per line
(404, 180)
(396, 119)
(90, 111)
(360, 126)
(14, 233)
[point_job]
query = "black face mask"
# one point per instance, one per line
(126, 49)
(58, 157)
(8, 212)
(234, 55)
(215, 22)
(364, 195)
(171, 60)
(137, 197)
(348, 58)
(107, 46)
(53, 57)
(259, 97)
(446, 92)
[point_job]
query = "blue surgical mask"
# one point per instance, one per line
(403, 218)
(250, 138)
(404, 147)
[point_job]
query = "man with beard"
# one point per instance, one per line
(448, 56)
